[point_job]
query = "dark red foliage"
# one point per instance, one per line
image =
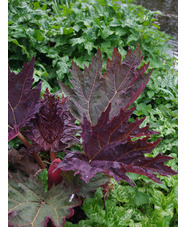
(23, 101)
(53, 128)
(54, 177)
(108, 148)
(120, 85)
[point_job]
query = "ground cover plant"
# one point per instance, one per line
(109, 147)
(62, 35)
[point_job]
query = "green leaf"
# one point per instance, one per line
(38, 35)
(105, 33)
(150, 94)
(76, 41)
(105, 46)
(156, 26)
(67, 31)
(161, 218)
(94, 207)
(146, 23)
(36, 5)
(30, 205)
(141, 198)
(43, 177)
(112, 215)
(17, 43)
(89, 46)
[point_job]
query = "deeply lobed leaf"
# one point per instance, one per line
(53, 128)
(30, 206)
(120, 85)
(23, 101)
(108, 148)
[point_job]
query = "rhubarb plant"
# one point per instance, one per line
(113, 145)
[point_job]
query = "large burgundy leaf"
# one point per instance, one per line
(53, 128)
(120, 85)
(23, 101)
(108, 148)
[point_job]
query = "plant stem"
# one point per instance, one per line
(23, 139)
(52, 156)
(27, 144)
(38, 160)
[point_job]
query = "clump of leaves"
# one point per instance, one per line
(108, 143)
(129, 206)
(73, 32)
(53, 128)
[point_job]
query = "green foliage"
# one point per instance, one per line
(56, 34)
(159, 103)
(146, 205)
(43, 177)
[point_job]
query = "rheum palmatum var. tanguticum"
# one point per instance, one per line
(111, 145)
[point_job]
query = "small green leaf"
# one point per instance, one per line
(38, 35)
(146, 23)
(106, 33)
(36, 5)
(150, 94)
(76, 41)
(89, 46)
(156, 26)
(43, 177)
(141, 198)
(68, 31)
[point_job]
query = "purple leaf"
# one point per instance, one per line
(23, 101)
(53, 128)
(108, 148)
(120, 85)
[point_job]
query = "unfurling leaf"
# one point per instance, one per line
(120, 85)
(30, 206)
(108, 148)
(53, 128)
(23, 101)
(54, 177)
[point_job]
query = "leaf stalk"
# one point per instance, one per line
(52, 156)
(35, 155)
